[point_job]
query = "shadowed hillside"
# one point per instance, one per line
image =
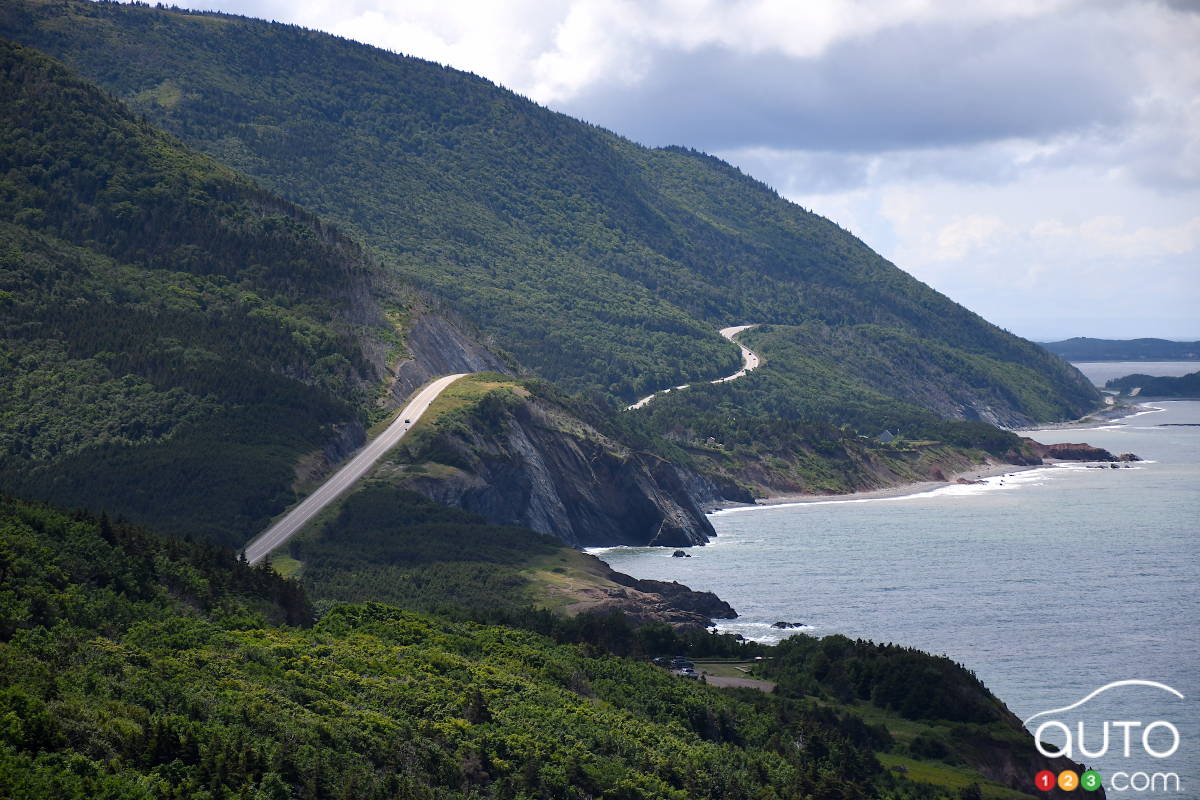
(175, 339)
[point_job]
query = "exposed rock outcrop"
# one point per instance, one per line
(436, 347)
(650, 601)
(1033, 453)
(706, 604)
(534, 464)
(714, 490)
(641, 608)
(1065, 451)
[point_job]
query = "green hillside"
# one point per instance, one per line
(185, 351)
(817, 388)
(173, 339)
(141, 667)
(603, 265)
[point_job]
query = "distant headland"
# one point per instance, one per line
(1082, 348)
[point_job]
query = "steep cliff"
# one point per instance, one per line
(389, 545)
(436, 344)
(492, 446)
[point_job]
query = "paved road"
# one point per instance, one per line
(292, 522)
(749, 362)
(347, 476)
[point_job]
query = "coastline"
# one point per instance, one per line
(1103, 416)
(970, 476)
(1097, 419)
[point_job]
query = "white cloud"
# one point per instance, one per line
(966, 235)
(1111, 237)
(1045, 255)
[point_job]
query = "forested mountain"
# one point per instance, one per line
(603, 265)
(175, 339)
(192, 351)
(187, 350)
(1082, 348)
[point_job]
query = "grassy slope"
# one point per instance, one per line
(173, 338)
(387, 544)
(519, 215)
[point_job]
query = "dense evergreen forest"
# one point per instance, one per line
(180, 339)
(172, 338)
(398, 547)
(142, 667)
(602, 265)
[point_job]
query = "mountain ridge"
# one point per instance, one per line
(184, 349)
(516, 214)
(186, 346)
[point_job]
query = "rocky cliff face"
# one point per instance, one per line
(435, 344)
(534, 464)
(705, 604)
(641, 601)
(1035, 453)
(438, 346)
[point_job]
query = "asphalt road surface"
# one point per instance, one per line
(749, 362)
(347, 476)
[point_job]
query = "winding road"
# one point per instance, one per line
(749, 362)
(293, 521)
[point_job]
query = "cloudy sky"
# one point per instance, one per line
(1036, 160)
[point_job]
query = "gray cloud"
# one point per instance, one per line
(904, 87)
(1190, 6)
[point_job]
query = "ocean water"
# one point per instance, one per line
(1099, 372)
(1048, 583)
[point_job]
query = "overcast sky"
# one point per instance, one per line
(1036, 160)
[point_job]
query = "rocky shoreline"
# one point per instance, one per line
(647, 601)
